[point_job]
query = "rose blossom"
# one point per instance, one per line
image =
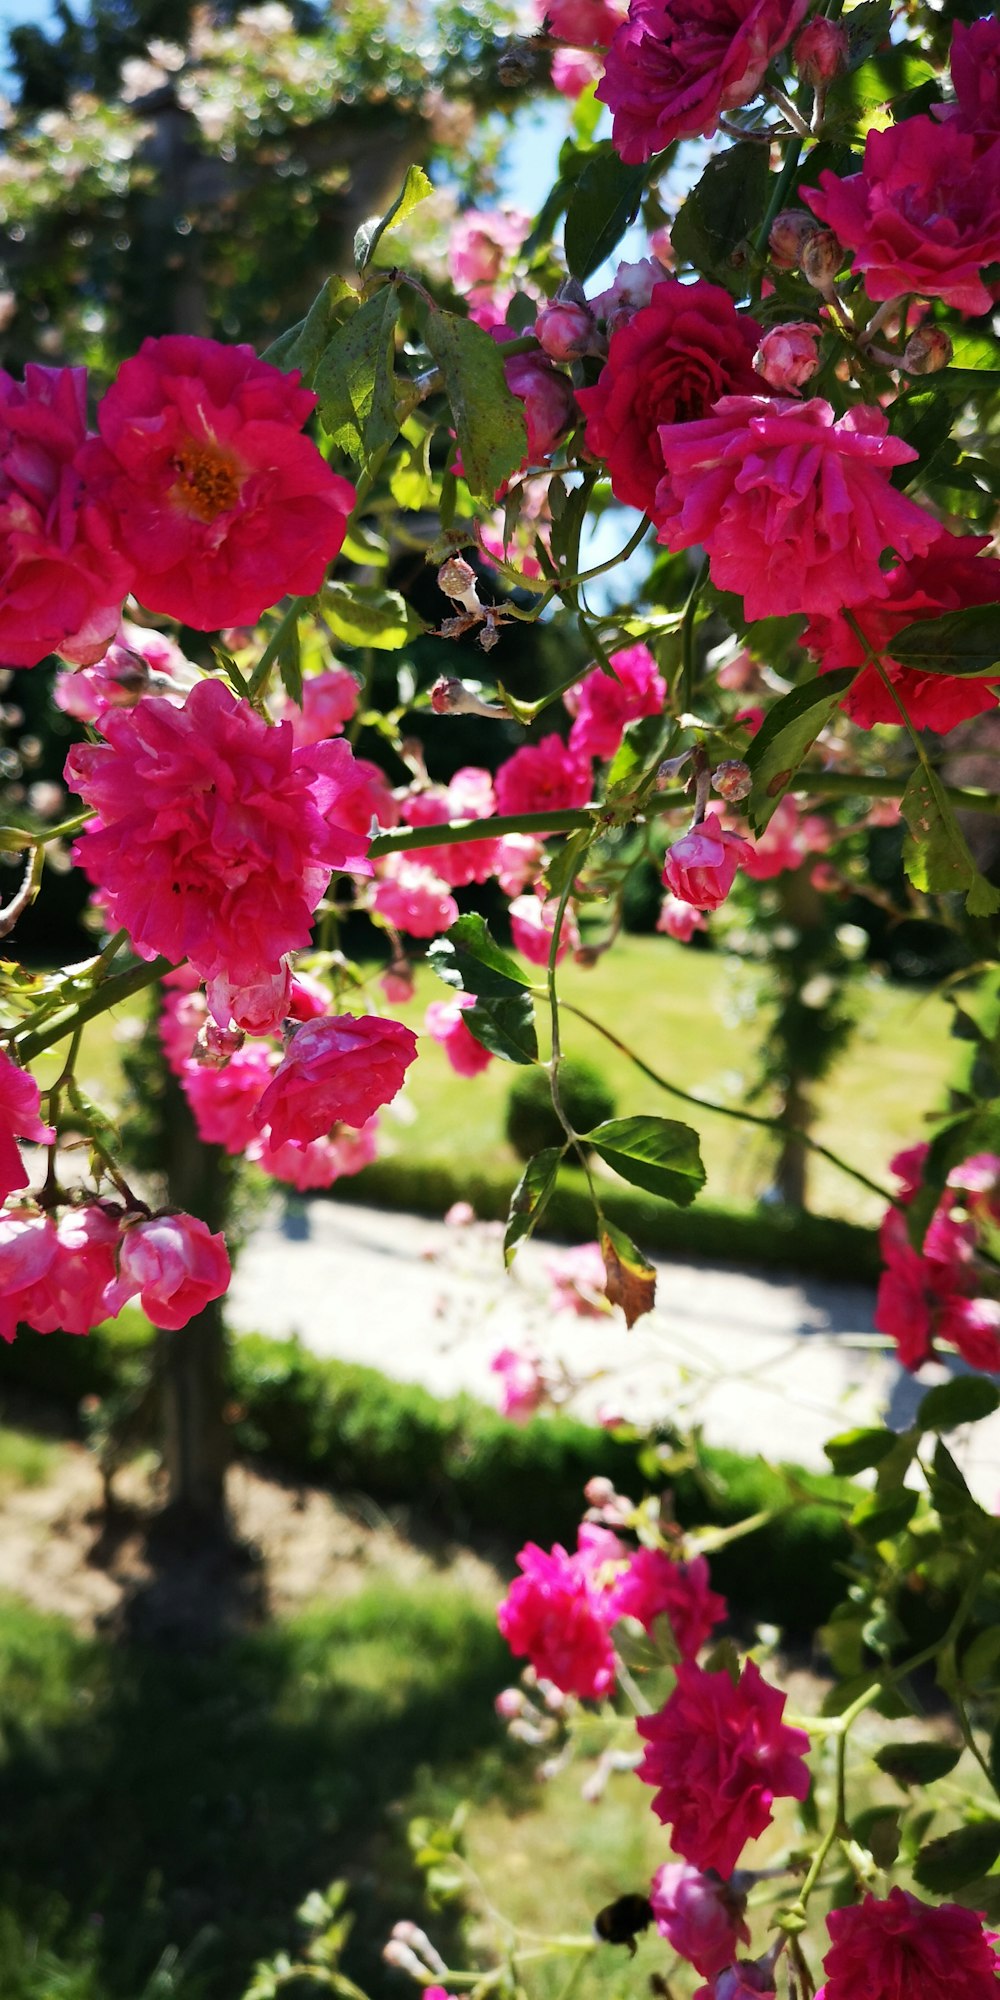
(573, 70)
(547, 397)
(532, 924)
(909, 1949)
(70, 1297)
(654, 1586)
(519, 862)
(215, 837)
(413, 899)
(587, 24)
(700, 868)
(328, 701)
(554, 1614)
(223, 1101)
(565, 330)
(923, 215)
(679, 920)
(793, 506)
(579, 1281)
(952, 573)
(28, 1245)
(19, 1101)
(676, 65)
(443, 1021)
(259, 1005)
(542, 777)
(701, 1918)
(320, 1162)
(334, 1071)
(975, 73)
(480, 243)
(669, 363)
(219, 502)
(719, 1755)
(176, 1266)
(631, 288)
(973, 1326)
(522, 1384)
(602, 707)
(746, 1980)
(62, 576)
(788, 355)
(469, 795)
(137, 662)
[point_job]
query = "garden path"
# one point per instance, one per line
(765, 1363)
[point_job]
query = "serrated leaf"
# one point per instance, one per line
(415, 189)
(975, 350)
(505, 1026)
(965, 1400)
(303, 346)
(630, 1281)
(658, 1154)
(957, 1858)
(786, 733)
(489, 421)
(962, 642)
(366, 615)
(530, 1199)
(603, 203)
(354, 379)
(720, 212)
(469, 958)
(936, 853)
(858, 1450)
(917, 1763)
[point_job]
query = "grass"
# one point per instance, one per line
(25, 1460)
(686, 1013)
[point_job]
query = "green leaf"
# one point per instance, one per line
(923, 419)
(855, 1451)
(962, 642)
(489, 421)
(302, 347)
(964, 1400)
(878, 1518)
(366, 615)
(657, 1154)
(719, 213)
(530, 1199)
(415, 189)
(867, 28)
(505, 1026)
(604, 201)
(631, 1281)
(981, 1660)
(975, 350)
(786, 733)
(354, 379)
(643, 746)
(469, 958)
(917, 1763)
(935, 853)
(948, 1864)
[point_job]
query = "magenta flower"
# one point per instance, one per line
(655, 1586)
(320, 1162)
(71, 1295)
(443, 1021)
(412, 898)
(700, 868)
(788, 355)
(542, 777)
(532, 924)
(602, 708)
(587, 24)
(676, 65)
(719, 1755)
(700, 1916)
(335, 1071)
(975, 73)
(909, 1949)
(19, 1100)
(175, 1265)
(218, 501)
(28, 1244)
(793, 506)
(223, 1101)
(679, 920)
(328, 701)
(555, 1615)
(522, 1384)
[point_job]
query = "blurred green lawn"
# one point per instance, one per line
(690, 1015)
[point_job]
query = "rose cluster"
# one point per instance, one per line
(943, 1287)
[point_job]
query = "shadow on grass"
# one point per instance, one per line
(152, 1800)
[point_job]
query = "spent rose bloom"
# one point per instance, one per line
(334, 1071)
(700, 1916)
(668, 363)
(62, 573)
(700, 868)
(676, 65)
(793, 505)
(923, 215)
(174, 1264)
(718, 1756)
(215, 836)
(910, 1949)
(414, 899)
(554, 1614)
(443, 1021)
(601, 707)
(543, 777)
(952, 573)
(218, 501)
(654, 1586)
(19, 1100)
(532, 923)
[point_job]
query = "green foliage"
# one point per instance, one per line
(530, 1198)
(657, 1154)
(788, 731)
(712, 229)
(531, 1123)
(604, 201)
(489, 421)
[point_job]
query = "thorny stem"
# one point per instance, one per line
(577, 850)
(109, 993)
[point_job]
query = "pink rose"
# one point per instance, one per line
(973, 1326)
(70, 1296)
(519, 862)
(480, 243)
(949, 575)
(923, 215)
(579, 1281)
(632, 287)
(62, 573)
(543, 777)
(223, 1101)
(553, 1613)
(28, 1244)
(532, 923)
(412, 898)
(669, 363)
(547, 396)
(19, 1101)
(603, 707)
(574, 70)
(468, 796)
(219, 502)
(793, 506)
(700, 868)
(176, 1266)
(588, 24)
(701, 1918)
(335, 1071)
(785, 843)
(719, 1755)
(522, 1384)
(655, 1586)
(328, 701)
(676, 65)
(909, 1949)
(679, 920)
(443, 1021)
(788, 355)
(975, 73)
(320, 1162)
(259, 1005)
(565, 330)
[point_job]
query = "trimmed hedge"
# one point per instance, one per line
(821, 1245)
(351, 1429)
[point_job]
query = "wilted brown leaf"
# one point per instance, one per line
(631, 1282)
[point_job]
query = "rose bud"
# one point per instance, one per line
(787, 356)
(927, 350)
(821, 258)
(566, 330)
(821, 52)
(789, 231)
(732, 779)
